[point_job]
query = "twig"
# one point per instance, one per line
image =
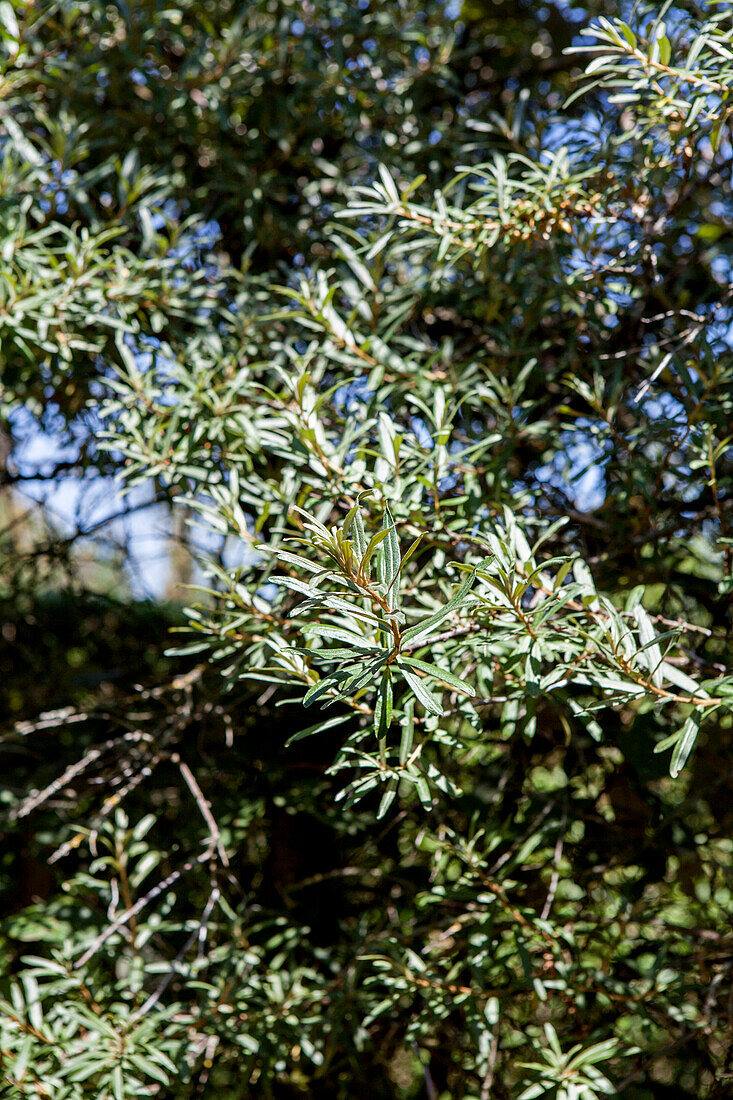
(203, 805)
(52, 718)
(109, 804)
(199, 933)
(430, 1089)
(556, 867)
(140, 904)
(37, 798)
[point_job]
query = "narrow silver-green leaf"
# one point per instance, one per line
(387, 798)
(317, 728)
(681, 680)
(408, 730)
(374, 542)
(652, 654)
(383, 707)
(430, 703)
(683, 748)
(420, 630)
(325, 630)
(390, 560)
(438, 673)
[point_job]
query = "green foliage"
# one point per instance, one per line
(437, 366)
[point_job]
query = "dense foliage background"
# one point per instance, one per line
(405, 331)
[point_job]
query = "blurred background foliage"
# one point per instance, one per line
(163, 169)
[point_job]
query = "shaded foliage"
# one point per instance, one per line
(421, 317)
